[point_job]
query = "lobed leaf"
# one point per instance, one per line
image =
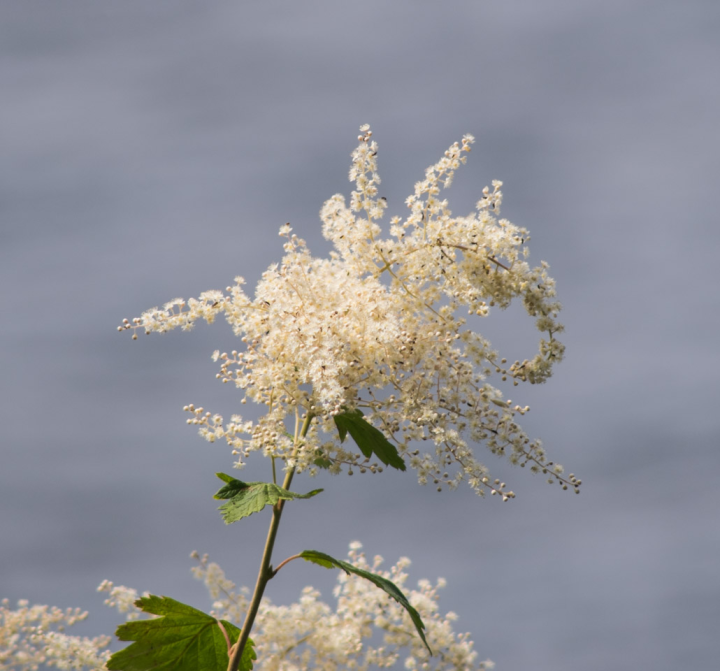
(369, 439)
(387, 586)
(182, 638)
(247, 498)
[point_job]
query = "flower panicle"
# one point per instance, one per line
(34, 635)
(379, 327)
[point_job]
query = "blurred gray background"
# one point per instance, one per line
(152, 150)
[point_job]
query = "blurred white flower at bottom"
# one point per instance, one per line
(365, 629)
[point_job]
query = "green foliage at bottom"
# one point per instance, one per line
(182, 638)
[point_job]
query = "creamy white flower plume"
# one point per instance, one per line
(31, 636)
(378, 326)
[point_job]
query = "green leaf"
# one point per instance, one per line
(342, 424)
(369, 439)
(181, 639)
(248, 656)
(384, 584)
(247, 498)
(321, 461)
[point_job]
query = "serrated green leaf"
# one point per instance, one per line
(384, 584)
(181, 639)
(369, 439)
(248, 656)
(247, 498)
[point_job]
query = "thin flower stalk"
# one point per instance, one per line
(266, 572)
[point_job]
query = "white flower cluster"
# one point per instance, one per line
(122, 599)
(310, 634)
(232, 604)
(378, 327)
(31, 636)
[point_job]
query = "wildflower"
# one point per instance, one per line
(307, 634)
(31, 636)
(378, 327)
(311, 634)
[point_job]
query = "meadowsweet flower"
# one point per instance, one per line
(305, 635)
(122, 599)
(31, 636)
(311, 634)
(228, 600)
(379, 326)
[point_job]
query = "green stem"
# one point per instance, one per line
(266, 572)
